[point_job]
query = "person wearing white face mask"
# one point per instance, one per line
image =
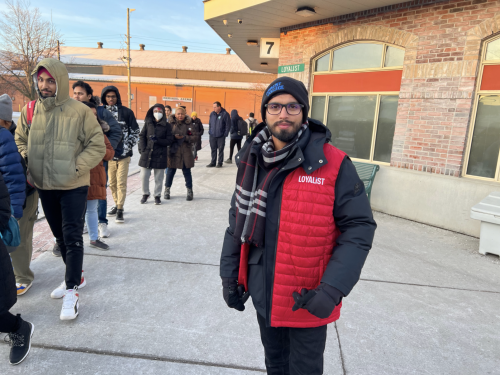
(154, 139)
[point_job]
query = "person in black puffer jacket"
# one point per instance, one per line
(19, 331)
(154, 140)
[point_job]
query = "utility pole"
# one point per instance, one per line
(128, 58)
(58, 51)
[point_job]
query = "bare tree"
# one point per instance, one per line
(25, 39)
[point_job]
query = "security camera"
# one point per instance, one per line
(240, 21)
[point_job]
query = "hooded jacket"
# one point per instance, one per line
(154, 152)
(126, 119)
(64, 141)
(198, 126)
(181, 151)
(219, 124)
(319, 229)
(12, 171)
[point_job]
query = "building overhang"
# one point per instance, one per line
(266, 18)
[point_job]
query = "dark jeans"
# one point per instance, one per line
(187, 177)
(233, 142)
(103, 203)
(293, 351)
(65, 213)
(9, 323)
(217, 144)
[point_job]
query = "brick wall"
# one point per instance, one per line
(442, 43)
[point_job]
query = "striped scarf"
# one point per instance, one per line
(251, 199)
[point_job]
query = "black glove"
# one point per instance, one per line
(320, 301)
(153, 138)
(231, 294)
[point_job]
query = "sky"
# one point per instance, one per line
(160, 25)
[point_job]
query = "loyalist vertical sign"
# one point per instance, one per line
(296, 68)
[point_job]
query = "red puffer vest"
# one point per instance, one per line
(306, 238)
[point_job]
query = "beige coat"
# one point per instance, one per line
(65, 141)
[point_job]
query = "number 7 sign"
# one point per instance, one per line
(270, 48)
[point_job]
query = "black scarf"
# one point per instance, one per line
(251, 199)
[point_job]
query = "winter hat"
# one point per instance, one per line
(286, 85)
(43, 70)
(5, 108)
(194, 114)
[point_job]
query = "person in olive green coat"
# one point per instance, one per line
(61, 145)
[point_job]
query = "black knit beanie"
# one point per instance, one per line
(286, 85)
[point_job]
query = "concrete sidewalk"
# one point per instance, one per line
(427, 303)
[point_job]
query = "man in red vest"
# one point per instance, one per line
(300, 229)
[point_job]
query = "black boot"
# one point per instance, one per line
(166, 195)
(189, 195)
(20, 342)
(144, 199)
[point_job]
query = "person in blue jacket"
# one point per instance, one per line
(11, 166)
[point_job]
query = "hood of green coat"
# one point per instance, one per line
(57, 70)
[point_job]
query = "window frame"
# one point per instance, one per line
(379, 94)
(375, 119)
(477, 94)
(380, 68)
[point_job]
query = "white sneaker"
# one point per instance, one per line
(70, 305)
(104, 230)
(60, 291)
(85, 229)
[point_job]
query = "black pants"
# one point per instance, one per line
(293, 351)
(233, 142)
(65, 213)
(217, 144)
(187, 177)
(9, 323)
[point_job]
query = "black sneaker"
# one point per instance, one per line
(112, 211)
(228, 161)
(210, 165)
(98, 244)
(157, 200)
(119, 216)
(219, 166)
(56, 251)
(20, 342)
(189, 195)
(144, 199)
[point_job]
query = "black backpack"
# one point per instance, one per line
(242, 127)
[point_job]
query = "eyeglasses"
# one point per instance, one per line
(292, 109)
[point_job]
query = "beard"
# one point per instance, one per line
(284, 135)
(46, 95)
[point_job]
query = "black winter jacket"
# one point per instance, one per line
(8, 295)
(154, 153)
(219, 124)
(198, 125)
(126, 119)
(352, 213)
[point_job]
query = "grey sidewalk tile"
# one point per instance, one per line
(409, 252)
(150, 308)
(398, 329)
(49, 362)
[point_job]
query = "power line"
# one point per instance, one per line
(175, 40)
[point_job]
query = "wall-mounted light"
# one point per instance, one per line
(252, 42)
(305, 11)
(229, 35)
(224, 22)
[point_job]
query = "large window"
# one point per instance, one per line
(355, 94)
(483, 156)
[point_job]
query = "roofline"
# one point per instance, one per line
(365, 13)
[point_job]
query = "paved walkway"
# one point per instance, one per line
(427, 303)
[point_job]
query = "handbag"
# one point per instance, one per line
(11, 235)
